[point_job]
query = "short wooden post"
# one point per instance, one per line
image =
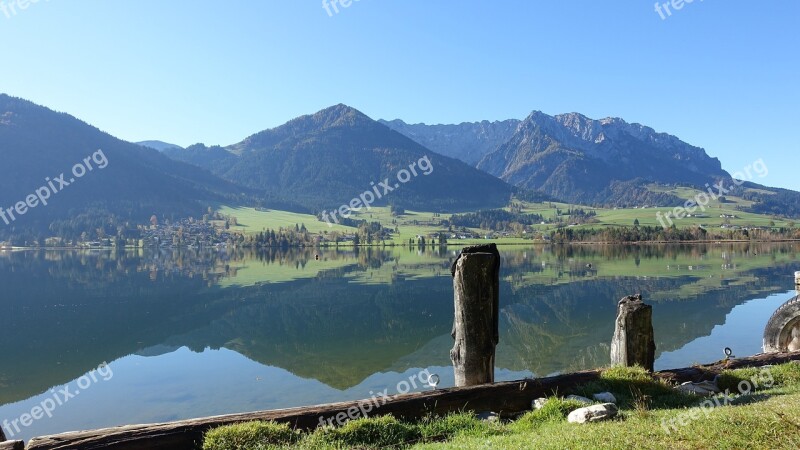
(797, 280)
(476, 286)
(634, 342)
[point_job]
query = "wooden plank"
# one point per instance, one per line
(12, 445)
(505, 398)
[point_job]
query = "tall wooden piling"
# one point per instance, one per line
(633, 342)
(476, 287)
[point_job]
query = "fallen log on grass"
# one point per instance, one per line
(507, 398)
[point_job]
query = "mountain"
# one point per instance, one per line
(325, 159)
(106, 181)
(159, 145)
(468, 141)
(608, 161)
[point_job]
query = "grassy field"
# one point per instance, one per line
(418, 223)
(650, 215)
(764, 414)
(410, 225)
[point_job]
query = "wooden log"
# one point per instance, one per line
(476, 281)
(634, 342)
(709, 371)
(506, 398)
(12, 445)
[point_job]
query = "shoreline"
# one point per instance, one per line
(466, 242)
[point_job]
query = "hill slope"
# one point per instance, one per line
(325, 159)
(126, 181)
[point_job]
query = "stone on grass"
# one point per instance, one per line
(703, 388)
(578, 398)
(605, 397)
(593, 413)
(488, 416)
(539, 403)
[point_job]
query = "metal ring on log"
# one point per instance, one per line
(782, 332)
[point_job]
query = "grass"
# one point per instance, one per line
(419, 223)
(766, 418)
(249, 436)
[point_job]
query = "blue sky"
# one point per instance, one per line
(722, 75)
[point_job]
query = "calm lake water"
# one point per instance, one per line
(189, 334)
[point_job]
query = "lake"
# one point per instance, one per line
(189, 334)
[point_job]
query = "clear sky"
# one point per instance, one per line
(722, 75)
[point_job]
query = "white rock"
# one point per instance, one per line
(578, 398)
(539, 403)
(593, 413)
(709, 386)
(488, 416)
(605, 397)
(703, 388)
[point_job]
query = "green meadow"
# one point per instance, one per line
(419, 223)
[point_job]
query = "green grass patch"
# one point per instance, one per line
(668, 420)
(635, 388)
(555, 409)
(458, 424)
(249, 436)
(378, 432)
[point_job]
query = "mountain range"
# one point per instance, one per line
(323, 160)
(606, 162)
(38, 145)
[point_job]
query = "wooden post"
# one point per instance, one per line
(797, 280)
(476, 287)
(634, 342)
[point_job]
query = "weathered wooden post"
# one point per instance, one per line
(476, 286)
(797, 280)
(634, 342)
